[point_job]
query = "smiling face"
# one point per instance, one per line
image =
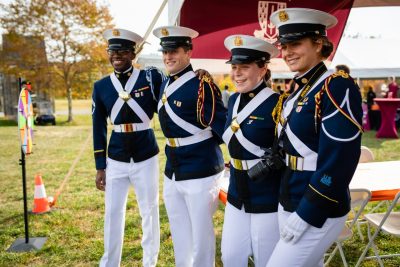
(301, 55)
(176, 60)
(121, 60)
(247, 76)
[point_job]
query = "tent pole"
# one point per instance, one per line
(149, 29)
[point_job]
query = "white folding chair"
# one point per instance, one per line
(366, 155)
(359, 199)
(389, 223)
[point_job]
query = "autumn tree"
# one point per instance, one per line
(71, 29)
(25, 56)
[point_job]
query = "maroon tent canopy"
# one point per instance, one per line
(217, 19)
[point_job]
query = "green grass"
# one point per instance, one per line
(81, 104)
(75, 228)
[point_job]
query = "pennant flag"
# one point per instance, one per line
(215, 20)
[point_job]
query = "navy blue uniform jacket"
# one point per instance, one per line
(258, 128)
(201, 159)
(335, 142)
(123, 147)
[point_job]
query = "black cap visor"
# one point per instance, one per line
(297, 31)
(288, 38)
(120, 44)
(246, 56)
(173, 43)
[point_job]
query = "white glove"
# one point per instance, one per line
(294, 228)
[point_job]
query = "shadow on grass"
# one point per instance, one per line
(6, 122)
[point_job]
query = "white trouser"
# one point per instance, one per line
(245, 234)
(190, 207)
(309, 250)
(143, 176)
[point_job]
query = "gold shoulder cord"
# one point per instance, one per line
(277, 111)
(319, 95)
(201, 100)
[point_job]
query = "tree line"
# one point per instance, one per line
(71, 32)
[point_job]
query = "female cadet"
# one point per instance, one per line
(251, 223)
(320, 130)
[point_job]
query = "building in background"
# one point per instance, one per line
(25, 57)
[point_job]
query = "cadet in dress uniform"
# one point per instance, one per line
(321, 135)
(251, 218)
(192, 118)
(127, 97)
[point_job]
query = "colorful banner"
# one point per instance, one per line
(217, 19)
(25, 121)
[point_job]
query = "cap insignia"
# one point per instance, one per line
(115, 32)
(238, 41)
(164, 32)
(283, 16)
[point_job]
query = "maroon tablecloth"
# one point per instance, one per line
(388, 107)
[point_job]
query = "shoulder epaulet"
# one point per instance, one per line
(148, 70)
(325, 89)
(340, 73)
(201, 100)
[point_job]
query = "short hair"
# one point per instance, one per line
(343, 67)
(327, 45)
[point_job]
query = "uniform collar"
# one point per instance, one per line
(247, 97)
(124, 74)
(305, 78)
(175, 76)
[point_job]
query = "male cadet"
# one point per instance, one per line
(127, 98)
(192, 118)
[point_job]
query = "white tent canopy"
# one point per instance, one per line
(369, 58)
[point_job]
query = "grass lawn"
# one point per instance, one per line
(81, 104)
(75, 228)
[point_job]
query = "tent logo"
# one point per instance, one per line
(268, 31)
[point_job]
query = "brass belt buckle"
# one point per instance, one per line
(237, 163)
(128, 128)
(172, 142)
(292, 163)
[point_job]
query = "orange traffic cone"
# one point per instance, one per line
(40, 202)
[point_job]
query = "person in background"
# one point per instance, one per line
(127, 98)
(370, 96)
(192, 118)
(393, 88)
(343, 68)
(320, 132)
(251, 220)
(225, 96)
(373, 115)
